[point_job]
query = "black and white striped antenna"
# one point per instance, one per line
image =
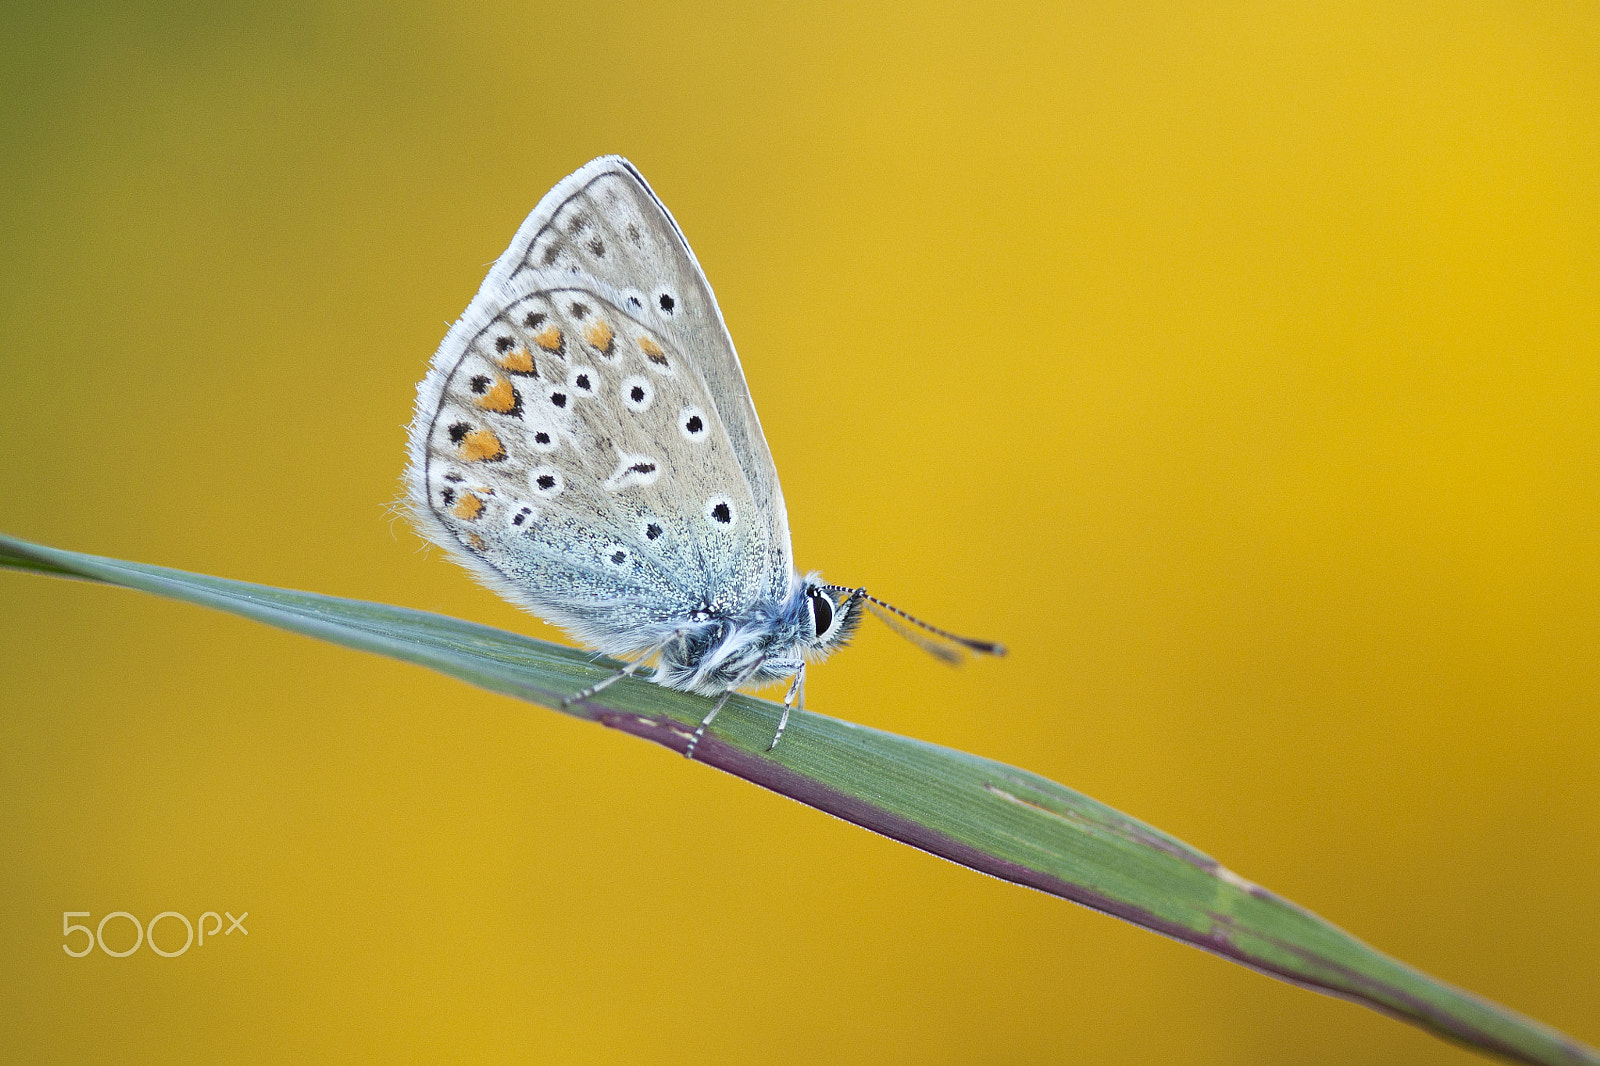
(933, 640)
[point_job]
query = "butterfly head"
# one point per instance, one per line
(841, 608)
(833, 612)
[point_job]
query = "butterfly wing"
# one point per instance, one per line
(604, 221)
(569, 446)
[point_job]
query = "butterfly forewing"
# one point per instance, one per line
(568, 444)
(604, 222)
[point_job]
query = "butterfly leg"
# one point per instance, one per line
(700, 730)
(604, 682)
(626, 671)
(795, 696)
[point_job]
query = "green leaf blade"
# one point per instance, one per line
(983, 814)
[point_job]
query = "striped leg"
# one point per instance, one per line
(700, 731)
(796, 694)
(626, 671)
(603, 683)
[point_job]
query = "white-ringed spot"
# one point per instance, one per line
(637, 393)
(633, 470)
(692, 424)
(720, 512)
(543, 439)
(546, 481)
(665, 301)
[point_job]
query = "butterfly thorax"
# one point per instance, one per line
(714, 651)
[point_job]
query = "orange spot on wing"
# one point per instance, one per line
(549, 339)
(599, 335)
(518, 361)
(468, 509)
(481, 444)
(476, 542)
(500, 398)
(652, 351)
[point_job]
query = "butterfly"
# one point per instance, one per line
(584, 444)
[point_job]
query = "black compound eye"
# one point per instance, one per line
(821, 612)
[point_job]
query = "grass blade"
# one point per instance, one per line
(973, 811)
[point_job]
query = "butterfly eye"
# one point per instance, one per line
(821, 613)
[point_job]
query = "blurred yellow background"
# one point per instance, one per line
(1234, 364)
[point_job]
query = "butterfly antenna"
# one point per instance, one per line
(944, 652)
(906, 626)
